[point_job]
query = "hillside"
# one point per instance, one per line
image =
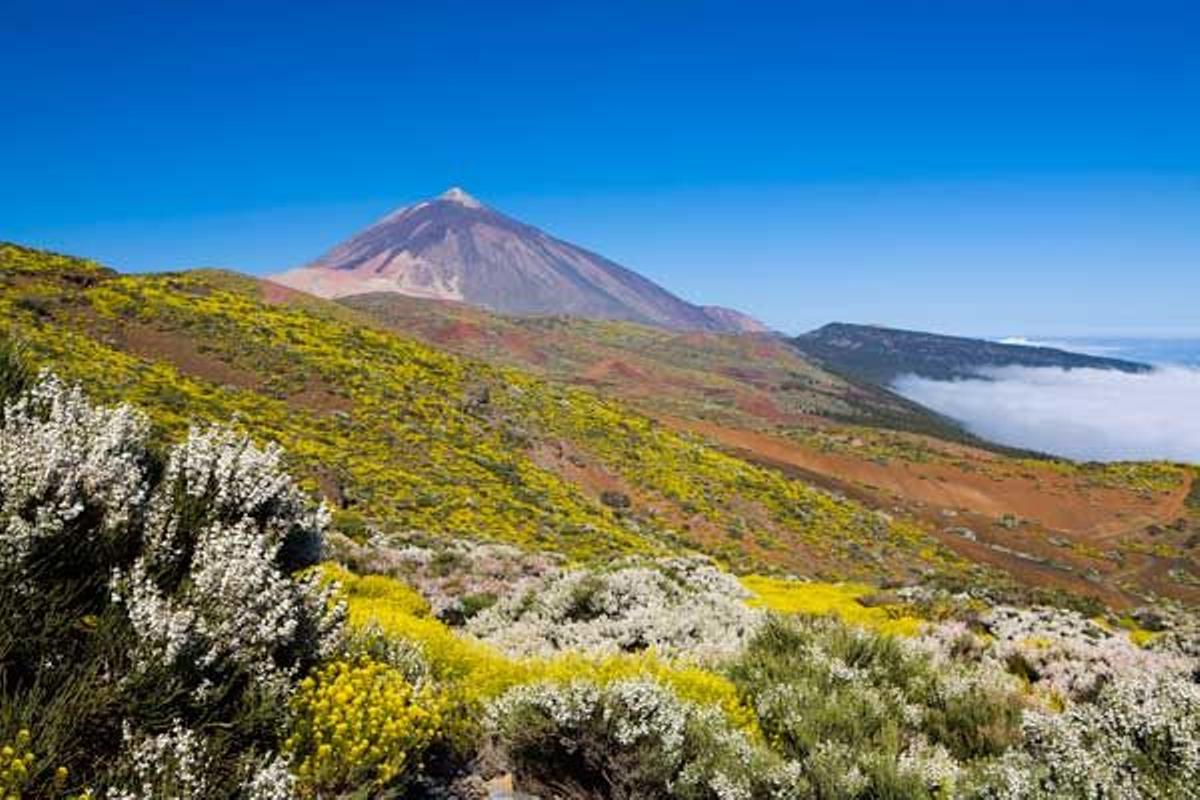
(399, 434)
(181, 622)
(880, 355)
(454, 247)
(1107, 531)
(747, 380)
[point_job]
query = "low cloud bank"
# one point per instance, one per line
(1085, 414)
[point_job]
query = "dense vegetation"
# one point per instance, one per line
(514, 589)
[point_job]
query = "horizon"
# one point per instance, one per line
(890, 163)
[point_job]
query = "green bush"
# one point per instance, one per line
(628, 740)
(865, 715)
(15, 372)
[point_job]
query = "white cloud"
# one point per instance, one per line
(1085, 414)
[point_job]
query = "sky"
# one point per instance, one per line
(1019, 168)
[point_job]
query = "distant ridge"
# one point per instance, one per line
(454, 247)
(879, 355)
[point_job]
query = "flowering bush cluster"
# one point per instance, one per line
(71, 474)
(225, 526)
(1069, 657)
(136, 588)
(676, 606)
(15, 764)
(360, 724)
(457, 577)
(1138, 738)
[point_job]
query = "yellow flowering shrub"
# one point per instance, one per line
(375, 595)
(829, 599)
(16, 762)
(361, 723)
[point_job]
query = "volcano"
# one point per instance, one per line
(454, 247)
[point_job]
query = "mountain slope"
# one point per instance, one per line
(747, 381)
(401, 436)
(397, 434)
(455, 248)
(880, 355)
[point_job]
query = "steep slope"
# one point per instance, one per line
(397, 434)
(880, 355)
(455, 248)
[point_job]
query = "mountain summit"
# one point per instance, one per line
(454, 247)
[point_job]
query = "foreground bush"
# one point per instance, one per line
(146, 603)
(625, 740)
(473, 673)
(1138, 738)
(361, 725)
(865, 716)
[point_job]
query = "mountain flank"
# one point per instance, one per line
(454, 247)
(881, 355)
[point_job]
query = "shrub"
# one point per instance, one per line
(675, 607)
(361, 724)
(836, 599)
(170, 764)
(15, 375)
(210, 593)
(865, 715)
(624, 740)
(144, 597)
(1138, 738)
(16, 763)
(1067, 657)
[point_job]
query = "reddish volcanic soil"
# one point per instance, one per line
(1065, 535)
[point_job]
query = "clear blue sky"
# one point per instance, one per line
(1021, 167)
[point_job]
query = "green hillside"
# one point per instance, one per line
(402, 435)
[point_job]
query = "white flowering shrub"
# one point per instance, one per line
(457, 577)
(1069, 657)
(171, 764)
(626, 740)
(677, 606)
(136, 588)
(210, 589)
(1138, 738)
(73, 479)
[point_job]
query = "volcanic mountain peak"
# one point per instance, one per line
(454, 247)
(456, 195)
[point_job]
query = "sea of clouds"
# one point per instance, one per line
(1084, 414)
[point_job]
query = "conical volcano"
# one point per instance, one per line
(454, 247)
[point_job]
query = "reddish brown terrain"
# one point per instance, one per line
(1083, 531)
